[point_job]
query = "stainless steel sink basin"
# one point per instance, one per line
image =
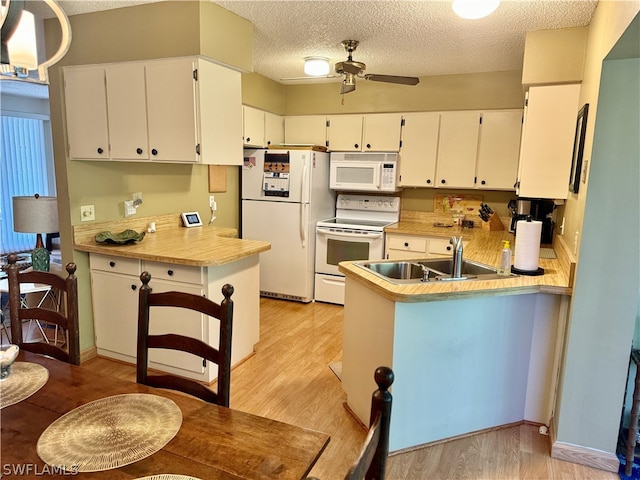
(428, 270)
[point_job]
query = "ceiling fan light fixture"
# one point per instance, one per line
(474, 9)
(316, 66)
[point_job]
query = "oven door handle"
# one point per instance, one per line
(325, 231)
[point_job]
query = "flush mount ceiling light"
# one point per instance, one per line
(19, 52)
(316, 66)
(474, 9)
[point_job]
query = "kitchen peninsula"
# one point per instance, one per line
(197, 260)
(468, 355)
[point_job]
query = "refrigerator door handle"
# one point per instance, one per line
(304, 218)
(304, 193)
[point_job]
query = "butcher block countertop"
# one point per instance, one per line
(480, 245)
(171, 243)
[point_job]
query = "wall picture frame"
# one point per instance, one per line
(578, 149)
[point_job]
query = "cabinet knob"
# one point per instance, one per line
(139, 151)
(406, 244)
(154, 151)
(449, 248)
(248, 139)
(443, 181)
(170, 273)
(134, 287)
(368, 145)
(100, 150)
(356, 145)
(112, 264)
(428, 180)
(268, 142)
(483, 182)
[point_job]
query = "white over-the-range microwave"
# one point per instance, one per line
(363, 171)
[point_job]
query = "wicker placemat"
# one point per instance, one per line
(110, 432)
(25, 379)
(168, 476)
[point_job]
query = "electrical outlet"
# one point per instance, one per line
(212, 201)
(87, 213)
(129, 208)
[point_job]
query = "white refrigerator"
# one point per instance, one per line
(284, 194)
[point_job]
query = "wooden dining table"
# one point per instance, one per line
(213, 442)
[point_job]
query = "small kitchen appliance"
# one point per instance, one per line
(284, 194)
(364, 172)
(540, 209)
(355, 233)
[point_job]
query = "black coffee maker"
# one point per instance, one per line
(540, 209)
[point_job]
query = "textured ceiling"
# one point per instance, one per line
(415, 38)
(397, 37)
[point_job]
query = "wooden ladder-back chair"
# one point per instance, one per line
(221, 355)
(66, 317)
(372, 460)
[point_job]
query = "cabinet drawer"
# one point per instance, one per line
(409, 244)
(175, 273)
(440, 246)
(108, 263)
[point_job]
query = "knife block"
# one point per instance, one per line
(494, 223)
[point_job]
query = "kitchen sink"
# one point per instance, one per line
(429, 270)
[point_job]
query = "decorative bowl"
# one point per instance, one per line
(8, 354)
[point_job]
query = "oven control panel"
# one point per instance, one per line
(374, 203)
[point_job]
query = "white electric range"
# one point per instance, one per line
(355, 233)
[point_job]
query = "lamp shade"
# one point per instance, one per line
(35, 214)
(22, 44)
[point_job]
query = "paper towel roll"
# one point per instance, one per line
(527, 249)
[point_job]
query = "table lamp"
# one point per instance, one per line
(36, 215)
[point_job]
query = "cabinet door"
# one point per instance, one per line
(419, 149)
(127, 106)
(253, 127)
(220, 114)
(405, 247)
(498, 150)
(179, 321)
(171, 108)
(306, 129)
(457, 149)
(547, 141)
(381, 132)
(115, 314)
(86, 113)
(345, 133)
(273, 129)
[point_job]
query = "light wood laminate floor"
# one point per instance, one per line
(288, 379)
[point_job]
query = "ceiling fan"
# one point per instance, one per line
(350, 70)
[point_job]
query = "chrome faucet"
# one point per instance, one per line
(456, 268)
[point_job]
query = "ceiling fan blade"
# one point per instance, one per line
(392, 79)
(352, 68)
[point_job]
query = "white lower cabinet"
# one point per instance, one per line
(115, 283)
(399, 247)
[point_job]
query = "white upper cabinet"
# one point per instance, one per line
(273, 129)
(168, 110)
(498, 150)
(419, 149)
(376, 132)
(344, 133)
(457, 149)
(253, 127)
(547, 141)
(86, 109)
(305, 129)
(127, 106)
(381, 132)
